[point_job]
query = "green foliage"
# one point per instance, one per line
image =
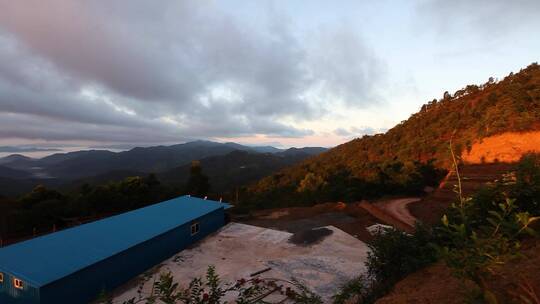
(389, 178)
(394, 254)
(311, 183)
(482, 233)
(39, 194)
(212, 290)
(355, 291)
(197, 184)
(526, 189)
(43, 208)
(476, 236)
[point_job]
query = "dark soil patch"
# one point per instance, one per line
(309, 237)
(350, 218)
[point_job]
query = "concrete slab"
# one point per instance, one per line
(238, 250)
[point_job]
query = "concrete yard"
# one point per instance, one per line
(238, 250)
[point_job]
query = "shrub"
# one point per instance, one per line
(211, 290)
(481, 233)
(393, 255)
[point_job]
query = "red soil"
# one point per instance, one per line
(507, 147)
(435, 284)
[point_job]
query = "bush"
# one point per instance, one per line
(483, 232)
(211, 290)
(356, 290)
(476, 236)
(394, 254)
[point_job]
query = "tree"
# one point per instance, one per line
(197, 184)
(5, 211)
(447, 96)
(311, 183)
(38, 194)
(151, 180)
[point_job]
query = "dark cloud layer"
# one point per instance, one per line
(119, 71)
(24, 149)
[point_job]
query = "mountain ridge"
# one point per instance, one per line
(85, 163)
(470, 114)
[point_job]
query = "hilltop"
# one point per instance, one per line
(386, 161)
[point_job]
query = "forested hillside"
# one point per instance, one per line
(400, 160)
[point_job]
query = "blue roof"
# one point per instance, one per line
(45, 259)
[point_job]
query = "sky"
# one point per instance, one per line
(117, 74)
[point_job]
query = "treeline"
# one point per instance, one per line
(468, 115)
(44, 210)
(324, 185)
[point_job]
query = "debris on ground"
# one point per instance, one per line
(311, 236)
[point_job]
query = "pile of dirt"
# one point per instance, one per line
(310, 237)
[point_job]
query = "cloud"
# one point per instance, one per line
(357, 132)
(135, 71)
(345, 69)
(23, 149)
(482, 18)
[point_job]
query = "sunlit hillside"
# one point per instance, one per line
(465, 117)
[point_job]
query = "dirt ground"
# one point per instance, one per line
(240, 250)
(347, 217)
(435, 284)
(399, 209)
(431, 208)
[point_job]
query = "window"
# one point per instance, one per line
(1, 277)
(18, 283)
(194, 228)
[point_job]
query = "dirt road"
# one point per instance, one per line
(398, 209)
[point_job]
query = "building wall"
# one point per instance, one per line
(86, 284)
(11, 295)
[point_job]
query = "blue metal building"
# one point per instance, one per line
(74, 265)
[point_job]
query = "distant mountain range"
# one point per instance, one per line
(220, 161)
(8, 172)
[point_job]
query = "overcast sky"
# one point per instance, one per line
(124, 73)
